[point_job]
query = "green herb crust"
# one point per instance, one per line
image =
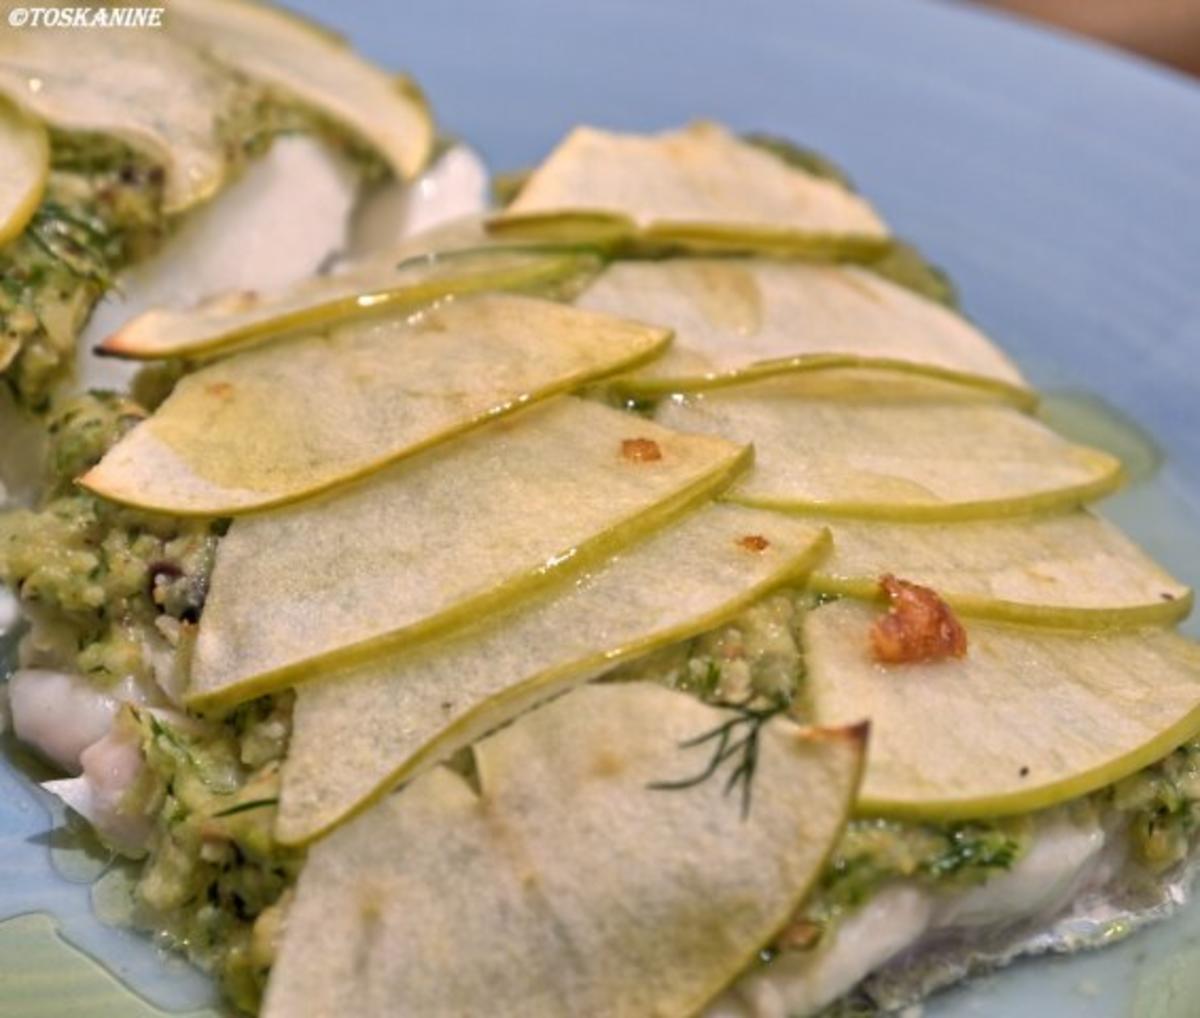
(1163, 804)
(112, 592)
(102, 211)
(214, 882)
(874, 852)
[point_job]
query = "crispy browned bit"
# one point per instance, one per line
(754, 542)
(802, 935)
(219, 389)
(919, 626)
(641, 450)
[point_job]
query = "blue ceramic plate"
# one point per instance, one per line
(1059, 184)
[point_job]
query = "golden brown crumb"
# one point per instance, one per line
(220, 390)
(919, 626)
(754, 542)
(641, 450)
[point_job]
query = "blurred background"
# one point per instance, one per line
(1164, 30)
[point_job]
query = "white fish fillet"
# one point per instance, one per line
(282, 220)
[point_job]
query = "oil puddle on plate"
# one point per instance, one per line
(57, 954)
(45, 977)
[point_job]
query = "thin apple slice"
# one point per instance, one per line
(567, 884)
(394, 718)
(24, 168)
(317, 67)
(1073, 570)
(1029, 718)
(737, 320)
(248, 237)
(699, 187)
(142, 86)
(906, 456)
(347, 403)
(381, 284)
(440, 539)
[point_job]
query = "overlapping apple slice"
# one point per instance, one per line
(439, 539)
(902, 455)
(736, 320)
(317, 66)
(1072, 570)
(381, 284)
(1029, 718)
(288, 420)
(561, 881)
(141, 86)
(24, 167)
(698, 188)
(393, 718)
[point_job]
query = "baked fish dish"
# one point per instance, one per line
(632, 589)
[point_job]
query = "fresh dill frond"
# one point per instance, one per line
(735, 740)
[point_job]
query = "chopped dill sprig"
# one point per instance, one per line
(735, 739)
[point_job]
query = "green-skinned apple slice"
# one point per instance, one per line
(238, 319)
(346, 403)
(737, 320)
(562, 883)
(394, 718)
(699, 187)
(440, 539)
(1071, 570)
(316, 66)
(1029, 718)
(141, 86)
(24, 167)
(247, 238)
(902, 456)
